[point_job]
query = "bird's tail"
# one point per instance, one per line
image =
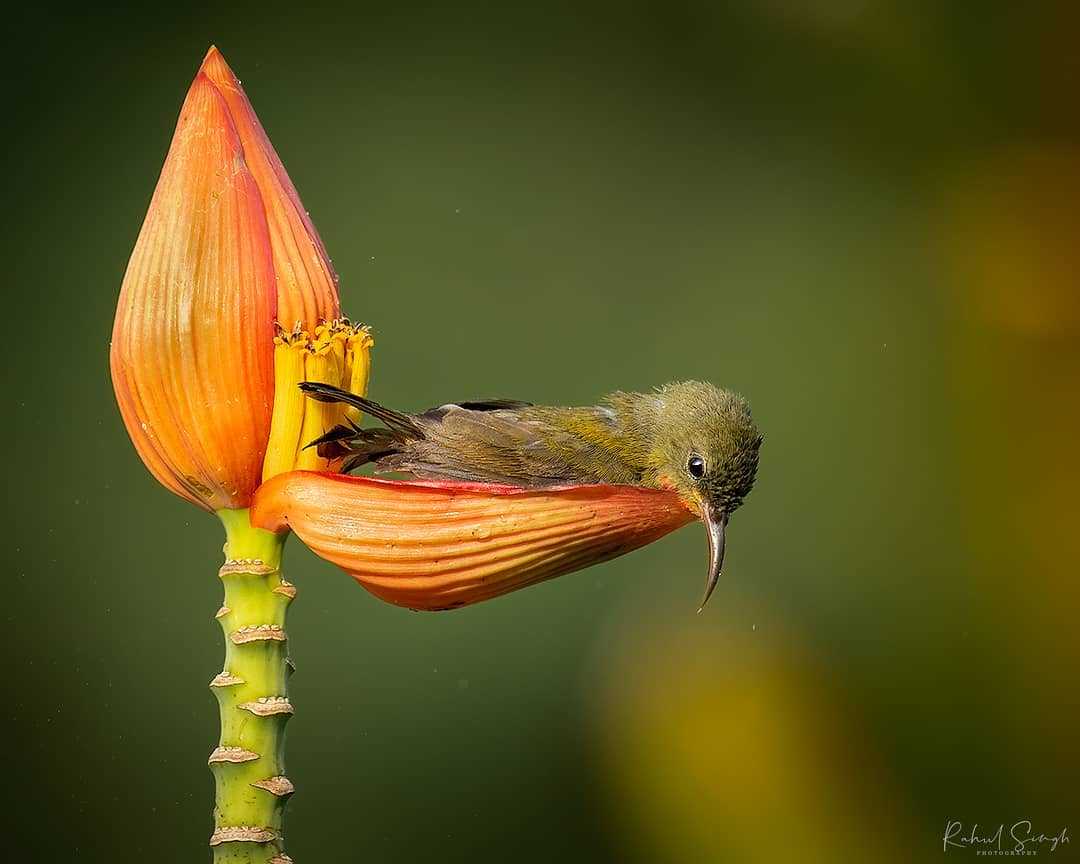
(360, 446)
(395, 420)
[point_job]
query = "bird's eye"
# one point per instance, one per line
(696, 466)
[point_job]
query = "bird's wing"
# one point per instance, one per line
(522, 447)
(486, 405)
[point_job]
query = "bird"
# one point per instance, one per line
(690, 437)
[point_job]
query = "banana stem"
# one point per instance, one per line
(249, 762)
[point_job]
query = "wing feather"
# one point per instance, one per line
(533, 447)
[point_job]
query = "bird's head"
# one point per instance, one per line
(705, 447)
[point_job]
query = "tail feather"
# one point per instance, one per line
(334, 436)
(396, 420)
(359, 445)
(354, 462)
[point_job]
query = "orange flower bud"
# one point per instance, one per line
(435, 545)
(226, 251)
(306, 282)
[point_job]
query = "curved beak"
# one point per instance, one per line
(715, 521)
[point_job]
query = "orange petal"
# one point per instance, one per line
(432, 545)
(307, 283)
(192, 348)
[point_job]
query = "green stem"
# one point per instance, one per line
(249, 762)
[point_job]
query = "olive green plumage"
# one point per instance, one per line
(689, 436)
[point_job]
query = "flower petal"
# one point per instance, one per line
(307, 283)
(192, 348)
(434, 545)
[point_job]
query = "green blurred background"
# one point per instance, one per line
(859, 213)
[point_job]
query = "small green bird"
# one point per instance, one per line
(688, 437)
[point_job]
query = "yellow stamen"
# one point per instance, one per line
(288, 417)
(336, 353)
(358, 353)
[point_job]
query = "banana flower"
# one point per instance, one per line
(228, 303)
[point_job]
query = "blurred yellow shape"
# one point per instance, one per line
(725, 746)
(1010, 235)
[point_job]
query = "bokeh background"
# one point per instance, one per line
(862, 214)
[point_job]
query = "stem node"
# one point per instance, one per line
(286, 589)
(246, 566)
(235, 755)
(243, 834)
(281, 786)
(258, 633)
(267, 706)
(224, 679)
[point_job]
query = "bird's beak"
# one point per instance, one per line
(715, 521)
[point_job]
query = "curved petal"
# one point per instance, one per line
(432, 545)
(307, 284)
(192, 348)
